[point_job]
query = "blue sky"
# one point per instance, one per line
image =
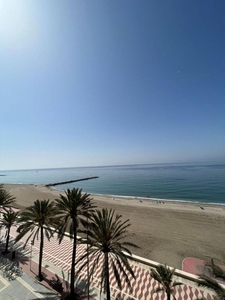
(86, 83)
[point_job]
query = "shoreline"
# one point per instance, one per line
(165, 232)
(152, 199)
(128, 197)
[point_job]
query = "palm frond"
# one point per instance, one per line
(164, 275)
(176, 284)
(159, 289)
(217, 271)
(72, 208)
(6, 199)
(156, 276)
(211, 284)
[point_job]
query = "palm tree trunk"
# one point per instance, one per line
(72, 276)
(41, 254)
(168, 296)
(107, 276)
(7, 240)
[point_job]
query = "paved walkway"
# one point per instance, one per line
(30, 268)
(57, 258)
(22, 286)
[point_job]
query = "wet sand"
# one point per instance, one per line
(166, 233)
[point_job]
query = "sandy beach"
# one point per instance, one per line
(165, 232)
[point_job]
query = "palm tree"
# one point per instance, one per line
(217, 270)
(38, 219)
(212, 285)
(6, 199)
(106, 234)
(73, 208)
(164, 275)
(10, 218)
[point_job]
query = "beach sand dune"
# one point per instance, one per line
(166, 233)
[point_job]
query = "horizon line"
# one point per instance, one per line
(117, 165)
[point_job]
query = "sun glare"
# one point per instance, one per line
(16, 26)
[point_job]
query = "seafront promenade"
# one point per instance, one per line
(56, 262)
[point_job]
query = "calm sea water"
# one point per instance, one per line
(185, 182)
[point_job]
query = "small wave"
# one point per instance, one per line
(159, 199)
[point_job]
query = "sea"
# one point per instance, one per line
(193, 182)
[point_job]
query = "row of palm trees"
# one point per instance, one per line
(105, 231)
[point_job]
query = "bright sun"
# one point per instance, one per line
(16, 26)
